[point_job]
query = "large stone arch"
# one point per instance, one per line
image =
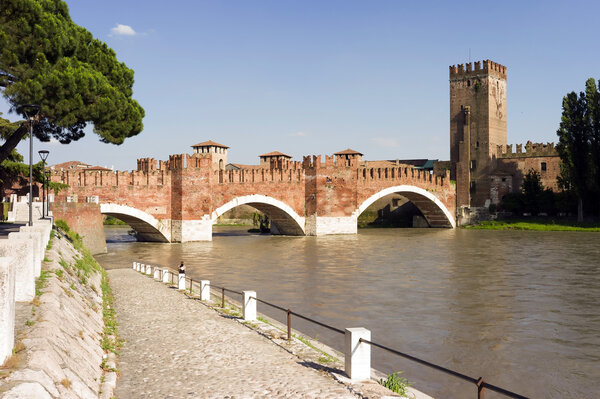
(147, 226)
(281, 215)
(433, 209)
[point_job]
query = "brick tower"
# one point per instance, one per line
(477, 127)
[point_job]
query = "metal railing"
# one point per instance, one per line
(480, 383)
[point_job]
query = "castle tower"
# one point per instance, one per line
(477, 127)
(217, 151)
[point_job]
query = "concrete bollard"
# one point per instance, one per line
(181, 284)
(7, 308)
(249, 305)
(204, 290)
(133, 265)
(143, 268)
(149, 270)
(35, 237)
(166, 277)
(357, 355)
(22, 253)
(157, 273)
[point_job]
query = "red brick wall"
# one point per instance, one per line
(86, 220)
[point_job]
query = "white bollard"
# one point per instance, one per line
(22, 253)
(35, 237)
(357, 355)
(7, 308)
(166, 278)
(204, 290)
(157, 273)
(149, 270)
(134, 265)
(143, 268)
(181, 280)
(249, 305)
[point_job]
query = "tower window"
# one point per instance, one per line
(468, 83)
(543, 166)
(473, 164)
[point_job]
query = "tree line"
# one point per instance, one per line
(579, 150)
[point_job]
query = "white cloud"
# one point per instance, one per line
(385, 141)
(299, 134)
(122, 30)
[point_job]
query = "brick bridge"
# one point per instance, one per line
(180, 199)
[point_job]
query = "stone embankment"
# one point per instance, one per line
(181, 347)
(60, 334)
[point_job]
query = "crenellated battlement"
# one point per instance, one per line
(403, 174)
(477, 68)
(531, 150)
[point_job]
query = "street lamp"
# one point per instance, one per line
(30, 111)
(44, 156)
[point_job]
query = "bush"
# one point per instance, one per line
(395, 383)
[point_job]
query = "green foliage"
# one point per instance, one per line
(40, 282)
(536, 225)
(110, 221)
(579, 146)
(395, 383)
(49, 60)
(62, 224)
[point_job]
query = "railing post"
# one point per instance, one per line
(480, 388)
(289, 325)
(181, 284)
(165, 276)
(223, 297)
(204, 290)
(148, 270)
(249, 305)
(143, 268)
(157, 274)
(191, 286)
(357, 354)
(133, 266)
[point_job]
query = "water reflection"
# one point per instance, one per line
(520, 308)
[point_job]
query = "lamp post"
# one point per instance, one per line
(48, 193)
(44, 156)
(30, 111)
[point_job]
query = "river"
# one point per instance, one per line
(520, 308)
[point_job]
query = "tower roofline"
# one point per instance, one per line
(478, 68)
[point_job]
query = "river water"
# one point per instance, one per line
(521, 309)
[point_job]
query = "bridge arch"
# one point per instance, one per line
(147, 226)
(281, 215)
(436, 213)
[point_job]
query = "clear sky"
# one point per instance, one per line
(316, 77)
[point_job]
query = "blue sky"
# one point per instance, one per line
(316, 77)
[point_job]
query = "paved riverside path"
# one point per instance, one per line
(176, 347)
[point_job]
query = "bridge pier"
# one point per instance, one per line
(192, 230)
(325, 225)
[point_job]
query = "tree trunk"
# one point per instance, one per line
(579, 210)
(12, 142)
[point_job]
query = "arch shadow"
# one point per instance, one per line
(285, 220)
(431, 207)
(148, 228)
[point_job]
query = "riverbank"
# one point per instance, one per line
(537, 224)
(190, 348)
(61, 336)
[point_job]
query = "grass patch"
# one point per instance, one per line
(40, 282)
(395, 383)
(535, 225)
(50, 243)
(29, 323)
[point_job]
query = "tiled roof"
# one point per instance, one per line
(209, 143)
(274, 154)
(348, 151)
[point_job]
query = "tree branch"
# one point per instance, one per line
(12, 142)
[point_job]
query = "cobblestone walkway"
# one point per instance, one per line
(177, 348)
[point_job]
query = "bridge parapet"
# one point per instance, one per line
(102, 178)
(404, 174)
(260, 175)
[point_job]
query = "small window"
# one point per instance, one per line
(473, 164)
(504, 179)
(468, 83)
(543, 166)
(477, 144)
(473, 187)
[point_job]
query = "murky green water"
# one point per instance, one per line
(521, 309)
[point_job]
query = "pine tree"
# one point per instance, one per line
(48, 60)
